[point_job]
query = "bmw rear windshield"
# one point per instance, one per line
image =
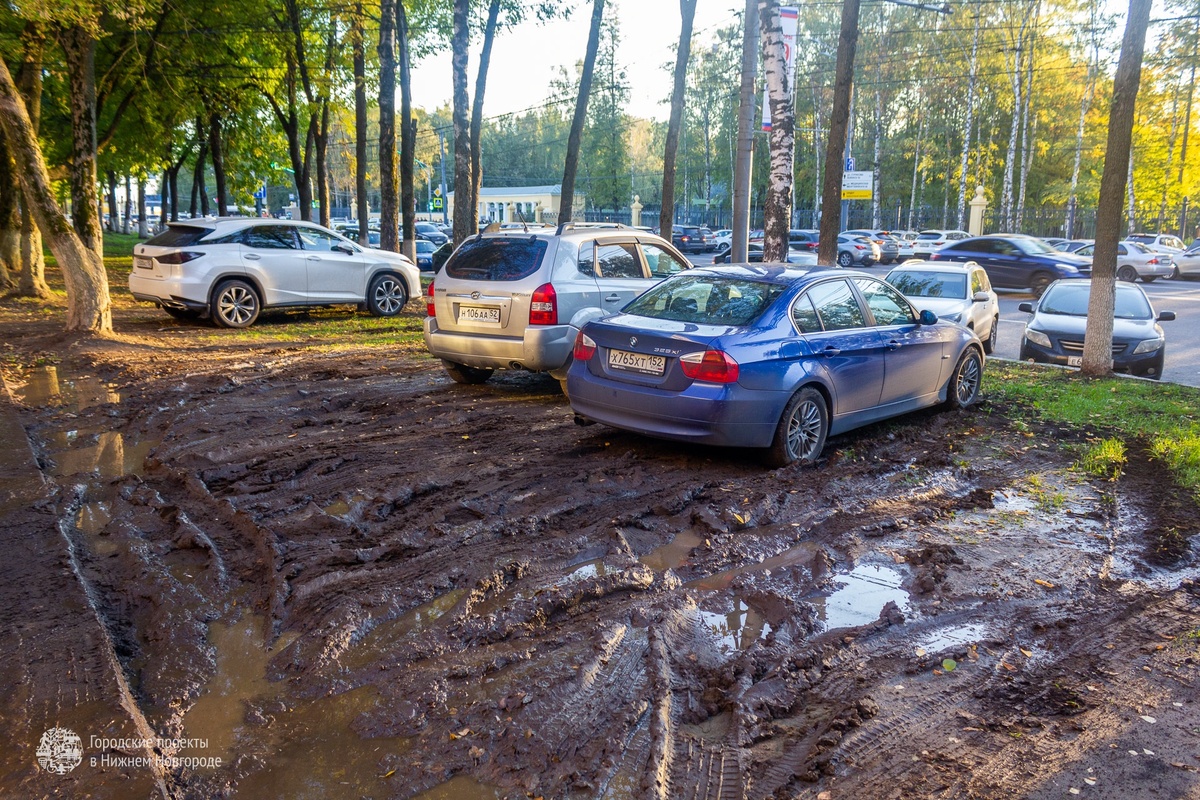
(498, 258)
(707, 300)
(180, 236)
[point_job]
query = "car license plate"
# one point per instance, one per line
(1074, 361)
(636, 362)
(481, 315)
(142, 263)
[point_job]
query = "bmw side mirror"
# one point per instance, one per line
(1026, 307)
(928, 317)
(1166, 316)
(980, 297)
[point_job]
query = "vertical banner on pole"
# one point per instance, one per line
(788, 20)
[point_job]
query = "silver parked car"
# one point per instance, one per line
(856, 250)
(231, 269)
(516, 299)
(930, 240)
(1136, 261)
(958, 293)
(889, 246)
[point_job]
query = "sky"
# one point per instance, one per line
(526, 59)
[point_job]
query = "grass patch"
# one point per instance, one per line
(1104, 459)
(1165, 415)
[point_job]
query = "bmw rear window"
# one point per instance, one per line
(496, 259)
(706, 300)
(180, 236)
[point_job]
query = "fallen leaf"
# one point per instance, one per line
(1026, 653)
(938, 672)
(1090, 781)
(1041, 582)
(389, 773)
(1008, 666)
(1147, 752)
(1133, 752)
(920, 651)
(1072, 790)
(1151, 720)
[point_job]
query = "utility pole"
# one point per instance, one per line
(745, 146)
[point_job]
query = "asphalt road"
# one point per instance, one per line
(1183, 334)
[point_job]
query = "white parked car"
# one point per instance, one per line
(930, 240)
(906, 239)
(1136, 261)
(1158, 242)
(956, 292)
(231, 269)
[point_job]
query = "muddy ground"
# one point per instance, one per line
(348, 577)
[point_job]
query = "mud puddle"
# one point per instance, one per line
(861, 595)
(62, 387)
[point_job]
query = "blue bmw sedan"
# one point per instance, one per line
(768, 356)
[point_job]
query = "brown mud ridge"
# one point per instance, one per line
(353, 578)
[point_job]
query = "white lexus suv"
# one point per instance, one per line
(231, 269)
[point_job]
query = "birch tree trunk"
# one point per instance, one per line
(968, 125)
(666, 219)
(912, 199)
(1026, 146)
(1097, 341)
(460, 44)
(1162, 208)
(816, 141)
(485, 59)
(88, 306)
(777, 206)
(408, 137)
(359, 58)
(1084, 105)
(566, 205)
(1131, 213)
(876, 178)
(745, 144)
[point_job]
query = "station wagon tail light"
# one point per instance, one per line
(543, 306)
(178, 257)
(429, 309)
(711, 366)
(585, 348)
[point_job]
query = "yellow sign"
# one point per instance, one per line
(856, 194)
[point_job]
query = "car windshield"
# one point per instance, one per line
(496, 259)
(1071, 299)
(707, 300)
(1036, 246)
(930, 284)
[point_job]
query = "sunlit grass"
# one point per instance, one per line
(1165, 416)
(1104, 459)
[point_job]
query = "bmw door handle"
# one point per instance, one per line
(831, 351)
(893, 345)
(612, 298)
(252, 257)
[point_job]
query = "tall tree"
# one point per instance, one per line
(777, 207)
(359, 56)
(743, 167)
(485, 59)
(1097, 341)
(567, 199)
(408, 136)
(389, 184)
(464, 213)
(687, 11)
(88, 306)
(831, 196)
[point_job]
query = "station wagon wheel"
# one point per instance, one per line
(386, 295)
(461, 373)
(800, 434)
(234, 305)
(989, 344)
(844, 259)
(965, 383)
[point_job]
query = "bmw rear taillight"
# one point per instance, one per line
(543, 306)
(429, 309)
(178, 257)
(711, 366)
(585, 348)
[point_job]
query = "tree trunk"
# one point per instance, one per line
(912, 199)
(964, 162)
(1026, 138)
(408, 137)
(1097, 342)
(79, 47)
(745, 145)
(198, 170)
(10, 220)
(88, 307)
(359, 56)
(389, 188)
(842, 84)
(31, 282)
(322, 145)
(1131, 213)
(485, 58)
(687, 10)
(113, 213)
(777, 207)
(1162, 208)
(173, 178)
(1084, 104)
(216, 151)
(128, 220)
(164, 194)
(877, 169)
(566, 203)
(460, 45)
(143, 221)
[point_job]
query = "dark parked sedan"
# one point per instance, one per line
(1013, 261)
(1055, 333)
(770, 357)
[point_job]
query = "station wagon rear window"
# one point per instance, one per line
(496, 259)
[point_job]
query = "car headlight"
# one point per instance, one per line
(1037, 337)
(1148, 346)
(1067, 267)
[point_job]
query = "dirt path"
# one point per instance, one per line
(350, 577)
